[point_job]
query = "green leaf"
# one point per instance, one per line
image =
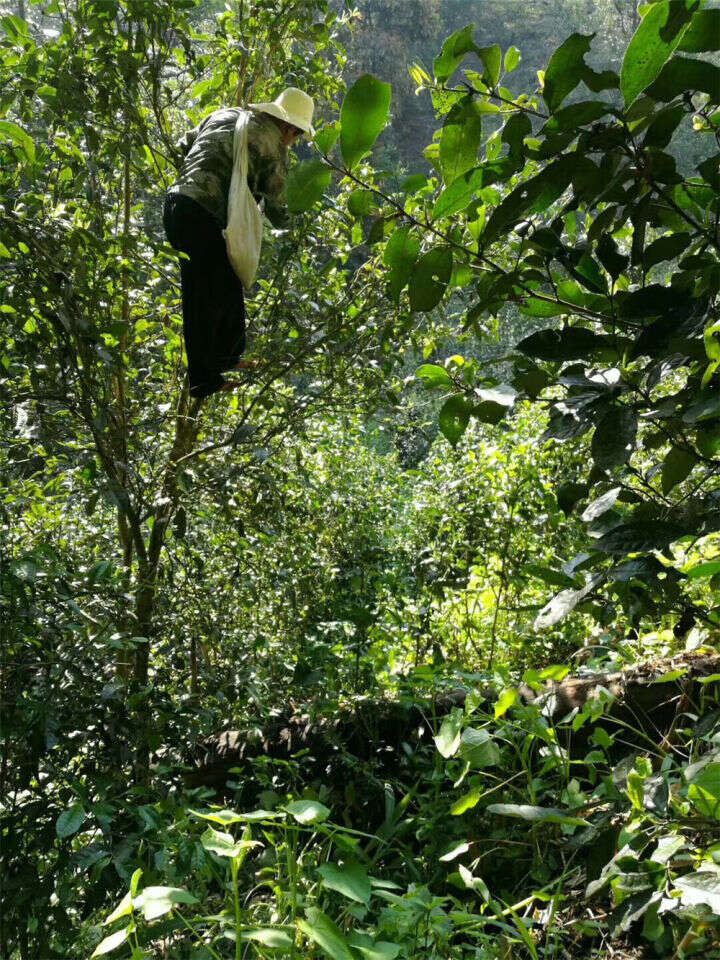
(700, 887)
(706, 408)
(681, 75)
(555, 578)
(466, 187)
(123, 909)
(535, 814)
(361, 203)
(454, 417)
(430, 278)
(564, 603)
(508, 698)
(448, 739)
(364, 114)
(457, 850)
(434, 376)
(708, 569)
(512, 59)
(574, 116)
(703, 34)
(16, 134)
(306, 182)
(666, 248)
(109, 943)
(157, 901)
(224, 817)
(492, 61)
(613, 442)
(636, 790)
(454, 50)
(308, 811)
(322, 931)
(600, 506)
(351, 880)
(327, 137)
(70, 821)
(677, 466)
(704, 791)
(460, 139)
(271, 937)
(708, 439)
(531, 196)
(565, 70)
(640, 536)
(401, 253)
(478, 749)
(661, 130)
(378, 950)
(224, 845)
(654, 41)
(571, 343)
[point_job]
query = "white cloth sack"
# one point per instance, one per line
(243, 234)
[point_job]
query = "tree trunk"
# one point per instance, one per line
(186, 431)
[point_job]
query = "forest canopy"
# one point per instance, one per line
(407, 646)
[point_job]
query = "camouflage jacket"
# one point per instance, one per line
(207, 168)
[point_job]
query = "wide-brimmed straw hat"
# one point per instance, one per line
(293, 106)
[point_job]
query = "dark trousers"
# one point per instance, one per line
(212, 294)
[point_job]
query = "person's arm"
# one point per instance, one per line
(185, 142)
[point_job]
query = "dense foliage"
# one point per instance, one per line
(482, 377)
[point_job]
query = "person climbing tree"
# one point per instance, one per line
(195, 214)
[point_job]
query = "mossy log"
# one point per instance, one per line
(647, 703)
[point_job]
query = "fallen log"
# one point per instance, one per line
(646, 702)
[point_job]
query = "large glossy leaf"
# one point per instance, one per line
(566, 69)
(370, 949)
(430, 278)
(492, 63)
(326, 934)
(677, 466)
(15, 134)
(305, 184)
(401, 253)
(308, 811)
(434, 376)
(564, 603)
(654, 41)
(600, 506)
(272, 937)
(111, 942)
(364, 114)
(454, 50)
(702, 886)
(465, 187)
(448, 739)
(478, 749)
(641, 536)
(460, 139)
(157, 901)
(351, 880)
(70, 821)
(614, 439)
(532, 196)
(703, 34)
(572, 343)
(454, 417)
(682, 75)
(535, 814)
(704, 792)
